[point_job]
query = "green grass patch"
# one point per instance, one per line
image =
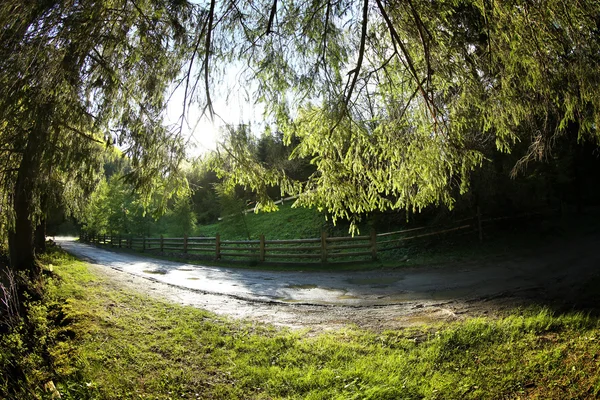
(285, 223)
(103, 342)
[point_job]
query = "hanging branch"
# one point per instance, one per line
(189, 73)
(272, 17)
(424, 41)
(211, 15)
(409, 62)
(82, 134)
(324, 46)
(361, 52)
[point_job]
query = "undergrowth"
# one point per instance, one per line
(94, 340)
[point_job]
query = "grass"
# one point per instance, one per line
(286, 223)
(104, 342)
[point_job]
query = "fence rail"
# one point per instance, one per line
(312, 250)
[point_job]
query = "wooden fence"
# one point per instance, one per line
(313, 250)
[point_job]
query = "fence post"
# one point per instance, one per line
(217, 247)
(185, 243)
(262, 248)
(323, 246)
(143, 243)
(119, 239)
(479, 229)
(104, 239)
(162, 243)
(373, 245)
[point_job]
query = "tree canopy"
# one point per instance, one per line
(396, 102)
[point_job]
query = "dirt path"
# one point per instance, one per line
(369, 299)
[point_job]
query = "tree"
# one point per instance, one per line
(182, 217)
(397, 102)
(203, 194)
(115, 208)
(75, 78)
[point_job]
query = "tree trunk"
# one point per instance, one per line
(21, 239)
(40, 236)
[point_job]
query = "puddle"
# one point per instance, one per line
(306, 286)
(185, 269)
(193, 279)
(373, 281)
(347, 297)
(155, 271)
(287, 300)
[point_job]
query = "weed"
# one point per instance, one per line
(9, 300)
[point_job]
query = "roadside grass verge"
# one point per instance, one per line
(104, 342)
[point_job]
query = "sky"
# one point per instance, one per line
(203, 132)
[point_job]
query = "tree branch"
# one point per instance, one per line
(82, 134)
(327, 13)
(422, 29)
(211, 15)
(361, 51)
(272, 17)
(187, 78)
(409, 61)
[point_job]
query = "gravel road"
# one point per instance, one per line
(379, 299)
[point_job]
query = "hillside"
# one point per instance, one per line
(286, 223)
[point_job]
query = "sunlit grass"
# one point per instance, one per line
(286, 223)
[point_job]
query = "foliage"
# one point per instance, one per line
(78, 77)
(233, 209)
(182, 218)
(239, 153)
(396, 103)
(115, 208)
(203, 195)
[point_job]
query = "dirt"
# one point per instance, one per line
(562, 279)
(295, 316)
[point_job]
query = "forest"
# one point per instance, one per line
(376, 112)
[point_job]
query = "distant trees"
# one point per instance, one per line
(115, 208)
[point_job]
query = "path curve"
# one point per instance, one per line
(376, 299)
